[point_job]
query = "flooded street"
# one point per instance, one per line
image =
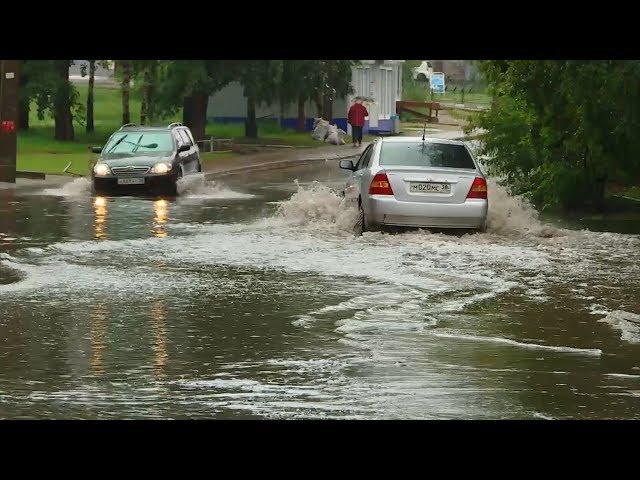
(251, 298)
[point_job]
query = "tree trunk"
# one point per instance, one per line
(187, 108)
(147, 91)
(600, 186)
(198, 115)
(63, 129)
(143, 109)
(24, 103)
(23, 114)
(282, 107)
(126, 81)
(318, 101)
(92, 74)
(302, 118)
(251, 125)
(327, 108)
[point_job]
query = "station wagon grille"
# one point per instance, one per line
(129, 170)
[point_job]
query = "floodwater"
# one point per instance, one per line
(252, 299)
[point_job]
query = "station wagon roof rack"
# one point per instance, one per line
(128, 125)
(175, 124)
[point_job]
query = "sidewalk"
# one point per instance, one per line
(282, 159)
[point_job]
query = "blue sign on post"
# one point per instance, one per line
(437, 82)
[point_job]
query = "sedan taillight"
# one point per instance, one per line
(380, 185)
(478, 188)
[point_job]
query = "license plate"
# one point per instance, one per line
(131, 181)
(428, 187)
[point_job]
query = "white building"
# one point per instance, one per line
(379, 80)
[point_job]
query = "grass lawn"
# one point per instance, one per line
(633, 192)
(269, 132)
(419, 93)
(461, 114)
(38, 152)
(469, 98)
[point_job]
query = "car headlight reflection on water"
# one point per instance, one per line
(161, 167)
(101, 169)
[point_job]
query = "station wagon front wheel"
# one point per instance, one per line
(174, 185)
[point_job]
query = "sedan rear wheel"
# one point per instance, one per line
(361, 226)
(482, 229)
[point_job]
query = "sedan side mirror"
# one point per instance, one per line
(347, 165)
(184, 148)
(96, 149)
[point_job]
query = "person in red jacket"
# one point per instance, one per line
(356, 115)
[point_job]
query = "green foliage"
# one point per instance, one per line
(177, 79)
(45, 87)
(334, 77)
(303, 80)
(167, 83)
(260, 79)
(558, 130)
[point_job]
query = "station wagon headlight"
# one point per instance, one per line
(162, 167)
(101, 169)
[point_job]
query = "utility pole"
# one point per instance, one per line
(9, 82)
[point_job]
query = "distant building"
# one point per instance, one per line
(104, 76)
(456, 71)
(380, 80)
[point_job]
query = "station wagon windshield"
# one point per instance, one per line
(425, 154)
(140, 142)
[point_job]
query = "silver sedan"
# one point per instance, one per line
(416, 182)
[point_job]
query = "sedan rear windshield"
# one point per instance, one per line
(425, 154)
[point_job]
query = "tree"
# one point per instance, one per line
(24, 102)
(92, 73)
(189, 84)
(334, 82)
(124, 68)
(37, 77)
(92, 64)
(559, 130)
(145, 72)
(47, 83)
(64, 96)
(298, 84)
(260, 79)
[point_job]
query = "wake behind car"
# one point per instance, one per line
(146, 159)
(417, 182)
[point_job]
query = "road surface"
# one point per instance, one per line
(252, 299)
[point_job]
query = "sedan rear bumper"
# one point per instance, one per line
(386, 210)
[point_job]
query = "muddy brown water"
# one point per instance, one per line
(253, 300)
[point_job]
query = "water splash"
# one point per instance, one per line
(197, 187)
(320, 206)
(626, 322)
(316, 206)
(514, 215)
(79, 187)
